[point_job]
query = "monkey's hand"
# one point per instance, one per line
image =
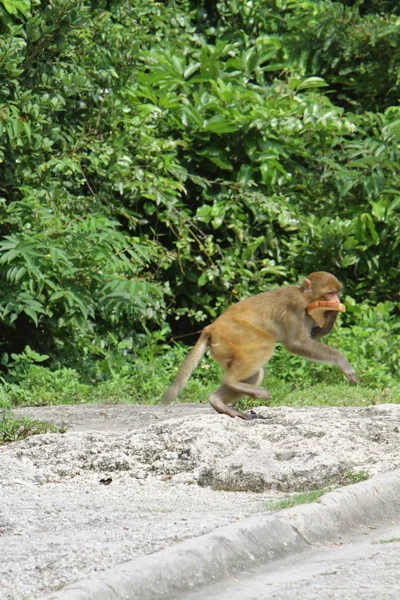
(351, 375)
(313, 350)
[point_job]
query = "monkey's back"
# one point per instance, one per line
(268, 311)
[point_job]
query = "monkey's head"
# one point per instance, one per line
(321, 286)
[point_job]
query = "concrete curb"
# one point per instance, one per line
(233, 548)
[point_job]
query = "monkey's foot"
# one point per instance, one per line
(251, 416)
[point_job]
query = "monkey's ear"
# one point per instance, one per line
(306, 287)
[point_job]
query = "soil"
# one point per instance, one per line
(124, 481)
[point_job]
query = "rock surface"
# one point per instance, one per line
(125, 481)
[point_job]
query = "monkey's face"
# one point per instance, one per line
(331, 296)
(324, 286)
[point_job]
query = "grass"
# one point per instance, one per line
(351, 477)
(290, 380)
(12, 430)
(143, 382)
(348, 478)
(340, 394)
(387, 541)
(327, 394)
(142, 379)
(295, 500)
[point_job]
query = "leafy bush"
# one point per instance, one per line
(41, 387)
(159, 161)
(371, 346)
(18, 429)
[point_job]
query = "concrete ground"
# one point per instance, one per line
(245, 558)
(363, 566)
(145, 502)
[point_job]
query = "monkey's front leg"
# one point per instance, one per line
(318, 352)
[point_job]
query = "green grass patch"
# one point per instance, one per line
(144, 382)
(326, 394)
(143, 378)
(12, 430)
(351, 477)
(387, 541)
(348, 478)
(339, 394)
(295, 500)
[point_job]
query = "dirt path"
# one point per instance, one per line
(124, 481)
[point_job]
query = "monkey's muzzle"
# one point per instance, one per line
(316, 310)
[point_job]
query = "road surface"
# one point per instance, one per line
(366, 567)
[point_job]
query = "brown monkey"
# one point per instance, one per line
(243, 339)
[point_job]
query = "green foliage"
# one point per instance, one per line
(41, 387)
(306, 497)
(329, 394)
(371, 344)
(15, 8)
(12, 430)
(295, 500)
(159, 161)
(115, 379)
(143, 378)
(351, 477)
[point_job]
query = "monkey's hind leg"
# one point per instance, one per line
(225, 396)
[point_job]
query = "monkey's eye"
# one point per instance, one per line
(332, 296)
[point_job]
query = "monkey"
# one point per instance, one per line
(243, 338)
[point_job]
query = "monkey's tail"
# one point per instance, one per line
(187, 367)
